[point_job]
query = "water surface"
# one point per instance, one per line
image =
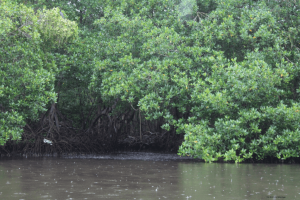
(144, 176)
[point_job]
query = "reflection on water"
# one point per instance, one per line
(240, 181)
(144, 176)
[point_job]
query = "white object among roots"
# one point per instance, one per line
(47, 141)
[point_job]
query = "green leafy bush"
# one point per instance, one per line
(223, 73)
(222, 79)
(27, 70)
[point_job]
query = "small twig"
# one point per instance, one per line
(140, 125)
(200, 13)
(5, 151)
(289, 59)
(140, 121)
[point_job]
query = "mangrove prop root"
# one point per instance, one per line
(107, 133)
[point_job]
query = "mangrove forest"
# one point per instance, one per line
(216, 80)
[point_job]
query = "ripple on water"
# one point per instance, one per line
(144, 176)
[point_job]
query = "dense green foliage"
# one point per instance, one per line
(27, 69)
(223, 73)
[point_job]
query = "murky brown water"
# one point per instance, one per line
(144, 176)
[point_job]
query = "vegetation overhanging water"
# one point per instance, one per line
(210, 79)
